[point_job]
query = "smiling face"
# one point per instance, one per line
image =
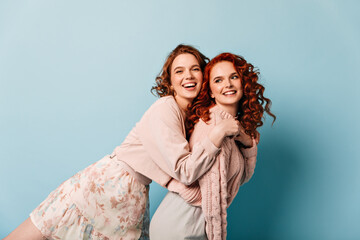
(186, 78)
(225, 86)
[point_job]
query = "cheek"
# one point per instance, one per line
(241, 95)
(241, 92)
(171, 80)
(238, 85)
(214, 89)
(174, 81)
(199, 76)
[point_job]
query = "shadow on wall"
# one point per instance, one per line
(255, 210)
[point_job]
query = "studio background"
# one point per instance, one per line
(75, 77)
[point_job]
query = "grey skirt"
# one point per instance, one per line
(175, 219)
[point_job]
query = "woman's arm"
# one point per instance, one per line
(249, 155)
(226, 128)
(245, 139)
(162, 133)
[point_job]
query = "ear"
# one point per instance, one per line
(211, 95)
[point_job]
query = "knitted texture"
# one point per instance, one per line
(218, 186)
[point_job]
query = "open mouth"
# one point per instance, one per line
(189, 85)
(231, 92)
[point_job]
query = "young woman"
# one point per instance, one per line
(230, 91)
(109, 199)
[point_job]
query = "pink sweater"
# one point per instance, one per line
(157, 149)
(221, 183)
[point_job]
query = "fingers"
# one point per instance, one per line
(237, 127)
(231, 127)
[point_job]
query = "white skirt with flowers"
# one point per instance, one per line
(101, 202)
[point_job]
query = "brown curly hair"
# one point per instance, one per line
(250, 106)
(162, 82)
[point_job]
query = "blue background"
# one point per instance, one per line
(75, 78)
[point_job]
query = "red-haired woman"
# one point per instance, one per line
(230, 91)
(109, 199)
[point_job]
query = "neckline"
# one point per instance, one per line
(224, 114)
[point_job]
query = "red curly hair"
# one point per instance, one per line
(251, 106)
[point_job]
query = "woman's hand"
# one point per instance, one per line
(226, 128)
(243, 138)
(246, 140)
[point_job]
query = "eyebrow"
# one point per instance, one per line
(221, 76)
(195, 65)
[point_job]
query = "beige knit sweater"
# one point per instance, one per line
(216, 189)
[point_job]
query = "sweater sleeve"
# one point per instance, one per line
(191, 194)
(250, 161)
(162, 133)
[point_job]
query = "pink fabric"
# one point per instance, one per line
(221, 183)
(157, 147)
(190, 194)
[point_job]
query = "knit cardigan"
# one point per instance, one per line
(217, 188)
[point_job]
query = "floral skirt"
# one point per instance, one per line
(119, 211)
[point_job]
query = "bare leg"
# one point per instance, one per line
(25, 231)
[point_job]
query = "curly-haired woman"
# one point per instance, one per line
(109, 199)
(230, 91)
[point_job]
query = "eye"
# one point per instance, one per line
(178, 71)
(196, 69)
(218, 80)
(235, 77)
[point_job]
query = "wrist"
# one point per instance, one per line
(244, 139)
(216, 137)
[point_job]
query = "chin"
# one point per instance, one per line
(191, 96)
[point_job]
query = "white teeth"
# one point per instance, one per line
(229, 92)
(188, 85)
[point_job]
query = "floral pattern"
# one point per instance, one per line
(101, 202)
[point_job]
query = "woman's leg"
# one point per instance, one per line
(25, 231)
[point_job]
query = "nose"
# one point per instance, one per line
(228, 83)
(188, 74)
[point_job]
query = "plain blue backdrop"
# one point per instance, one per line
(75, 76)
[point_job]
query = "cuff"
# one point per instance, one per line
(191, 194)
(209, 146)
(249, 152)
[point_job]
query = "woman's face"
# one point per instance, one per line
(225, 85)
(186, 78)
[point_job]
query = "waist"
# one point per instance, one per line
(139, 177)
